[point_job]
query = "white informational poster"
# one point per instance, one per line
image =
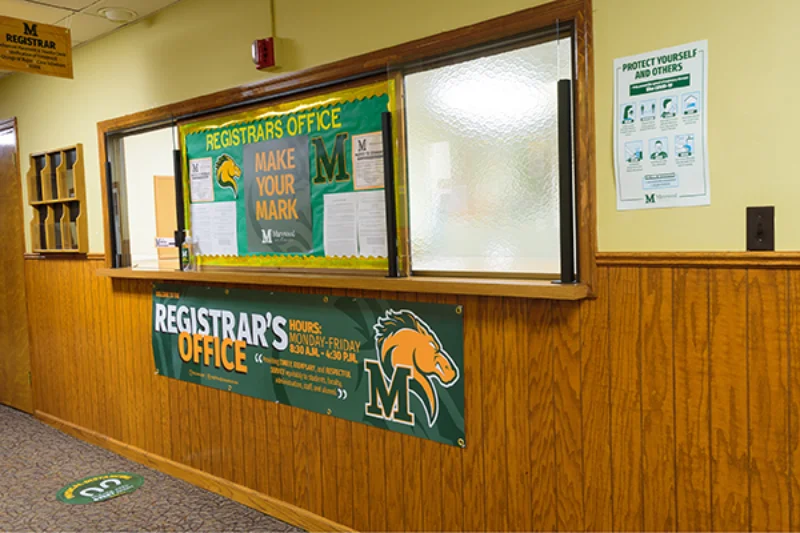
(200, 180)
(341, 235)
(368, 161)
(214, 228)
(355, 224)
(372, 224)
(660, 128)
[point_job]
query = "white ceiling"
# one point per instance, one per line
(80, 16)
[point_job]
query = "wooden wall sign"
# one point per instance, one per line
(32, 47)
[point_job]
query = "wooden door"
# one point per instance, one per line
(15, 363)
(166, 214)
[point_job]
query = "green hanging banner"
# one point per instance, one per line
(389, 364)
(95, 489)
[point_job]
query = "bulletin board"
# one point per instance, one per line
(297, 184)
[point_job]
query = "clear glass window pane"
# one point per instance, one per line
(483, 162)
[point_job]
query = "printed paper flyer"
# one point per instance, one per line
(660, 128)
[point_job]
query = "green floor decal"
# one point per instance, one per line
(100, 488)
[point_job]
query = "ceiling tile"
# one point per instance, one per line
(34, 12)
(142, 8)
(80, 16)
(86, 27)
(74, 5)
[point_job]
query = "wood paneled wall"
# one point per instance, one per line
(670, 402)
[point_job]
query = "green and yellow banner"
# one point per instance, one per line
(389, 364)
(295, 184)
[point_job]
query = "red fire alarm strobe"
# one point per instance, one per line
(264, 53)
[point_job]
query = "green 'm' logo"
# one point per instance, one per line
(333, 166)
(412, 360)
(650, 198)
(100, 488)
(388, 403)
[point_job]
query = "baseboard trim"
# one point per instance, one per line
(701, 259)
(246, 496)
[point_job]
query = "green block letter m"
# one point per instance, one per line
(334, 166)
(391, 403)
(650, 198)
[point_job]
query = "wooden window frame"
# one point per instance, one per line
(574, 12)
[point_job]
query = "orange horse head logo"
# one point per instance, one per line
(403, 339)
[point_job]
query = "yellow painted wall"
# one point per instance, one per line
(198, 46)
(754, 153)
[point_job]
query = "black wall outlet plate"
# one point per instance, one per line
(761, 228)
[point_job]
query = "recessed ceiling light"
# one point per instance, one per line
(117, 14)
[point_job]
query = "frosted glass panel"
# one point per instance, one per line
(483, 162)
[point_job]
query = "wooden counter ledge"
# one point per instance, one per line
(520, 288)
